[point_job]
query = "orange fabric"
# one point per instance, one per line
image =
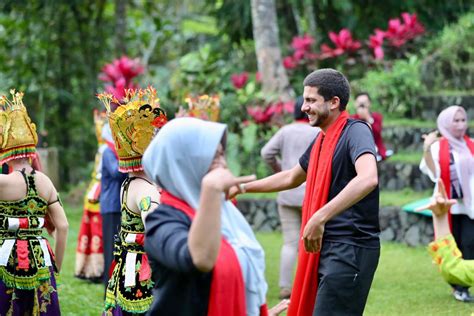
(318, 183)
(227, 294)
(444, 158)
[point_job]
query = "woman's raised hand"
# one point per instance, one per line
(440, 204)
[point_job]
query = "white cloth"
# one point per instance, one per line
(459, 207)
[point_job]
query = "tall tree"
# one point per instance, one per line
(267, 47)
(120, 27)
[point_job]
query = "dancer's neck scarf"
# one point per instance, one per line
(318, 183)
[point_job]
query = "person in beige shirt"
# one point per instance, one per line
(282, 152)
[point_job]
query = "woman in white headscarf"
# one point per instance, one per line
(204, 255)
(451, 159)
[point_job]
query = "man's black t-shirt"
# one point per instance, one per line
(359, 224)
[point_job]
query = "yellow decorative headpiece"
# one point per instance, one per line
(18, 136)
(204, 107)
(133, 124)
(99, 122)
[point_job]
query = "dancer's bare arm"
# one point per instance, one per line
(58, 218)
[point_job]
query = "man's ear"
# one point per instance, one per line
(335, 102)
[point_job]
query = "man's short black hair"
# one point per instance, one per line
(363, 93)
(330, 83)
(297, 113)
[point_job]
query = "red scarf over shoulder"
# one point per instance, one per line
(227, 296)
(318, 183)
(444, 159)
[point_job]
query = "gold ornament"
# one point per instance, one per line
(204, 107)
(18, 137)
(133, 124)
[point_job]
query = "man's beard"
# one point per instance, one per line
(322, 117)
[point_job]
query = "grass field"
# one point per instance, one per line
(406, 282)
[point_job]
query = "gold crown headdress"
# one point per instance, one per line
(18, 137)
(133, 124)
(204, 107)
(99, 122)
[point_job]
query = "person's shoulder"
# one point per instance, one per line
(167, 212)
(357, 124)
(376, 115)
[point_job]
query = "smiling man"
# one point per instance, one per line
(340, 232)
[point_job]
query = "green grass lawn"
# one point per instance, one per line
(406, 282)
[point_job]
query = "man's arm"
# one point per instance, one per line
(362, 184)
(284, 180)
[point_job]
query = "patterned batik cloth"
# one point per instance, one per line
(27, 269)
(130, 286)
(89, 251)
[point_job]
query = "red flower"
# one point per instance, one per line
(259, 114)
(344, 41)
(119, 73)
(302, 43)
(413, 27)
(239, 80)
(395, 33)
(298, 55)
(399, 33)
(289, 63)
(258, 77)
(344, 44)
(376, 42)
(328, 52)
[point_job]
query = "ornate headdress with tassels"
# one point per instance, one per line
(99, 121)
(204, 107)
(18, 137)
(133, 124)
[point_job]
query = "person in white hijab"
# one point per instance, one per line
(186, 159)
(451, 159)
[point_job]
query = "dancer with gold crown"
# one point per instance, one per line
(28, 266)
(89, 252)
(133, 123)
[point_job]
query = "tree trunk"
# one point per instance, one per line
(120, 27)
(267, 46)
(311, 17)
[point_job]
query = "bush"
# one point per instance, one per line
(449, 61)
(394, 91)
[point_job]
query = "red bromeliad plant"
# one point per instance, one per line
(239, 80)
(376, 42)
(344, 43)
(302, 54)
(398, 33)
(119, 74)
(272, 113)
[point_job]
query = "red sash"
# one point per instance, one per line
(227, 296)
(318, 183)
(444, 159)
